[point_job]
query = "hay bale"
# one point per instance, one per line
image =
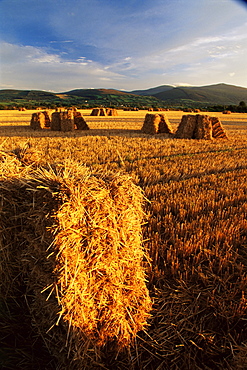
(98, 112)
(56, 121)
(226, 112)
(203, 129)
(200, 126)
(102, 112)
(186, 127)
(95, 112)
(218, 131)
(164, 125)
(79, 121)
(111, 112)
(156, 124)
(47, 119)
(151, 124)
(38, 121)
(62, 121)
(76, 249)
(67, 121)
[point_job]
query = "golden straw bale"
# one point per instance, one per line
(55, 121)
(151, 124)
(75, 255)
(164, 125)
(47, 119)
(95, 112)
(38, 121)
(79, 121)
(200, 126)
(67, 121)
(102, 112)
(156, 124)
(186, 127)
(218, 130)
(203, 129)
(111, 112)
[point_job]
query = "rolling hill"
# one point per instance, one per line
(160, 96)
(80, 97)
(153, 91)
(213, 94)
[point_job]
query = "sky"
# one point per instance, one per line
(61, 45)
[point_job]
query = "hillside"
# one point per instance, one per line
(154, 90)
(83, 98)
(212, 94)
(160, 96)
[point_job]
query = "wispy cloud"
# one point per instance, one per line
(128, 45)
(35, 68)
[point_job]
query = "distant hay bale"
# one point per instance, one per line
(156, 124)
(111, 112)
(98, 112)
(67, 121)
(55, 121)
(226, 112)
(102, 112)
(95, 112)
(47, 119)
(200, 127)
(80, 122)
(38, 121)
(75, 255)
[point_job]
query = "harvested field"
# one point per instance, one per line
(194, 232)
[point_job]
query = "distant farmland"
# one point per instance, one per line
(194, 232)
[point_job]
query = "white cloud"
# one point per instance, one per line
(27, 67)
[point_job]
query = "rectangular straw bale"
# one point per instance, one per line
(203, 128)
(80, 259)
(218, 130)
(186, 127)
(151, 124)
(95, 112)
(55, 121)
(38, 121)
(111, 112)
(102, 112)
(164, 125)
(67, 121)
(47, 119)
(80, 122)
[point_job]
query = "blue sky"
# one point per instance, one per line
(60, 45)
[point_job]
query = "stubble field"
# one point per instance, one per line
(195, 231)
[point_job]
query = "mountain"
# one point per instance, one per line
(94, 92)
(213, 94)
(6, 95)
(153, 90)
(160, 96)
(82, 98)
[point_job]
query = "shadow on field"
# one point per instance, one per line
(24, 131)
